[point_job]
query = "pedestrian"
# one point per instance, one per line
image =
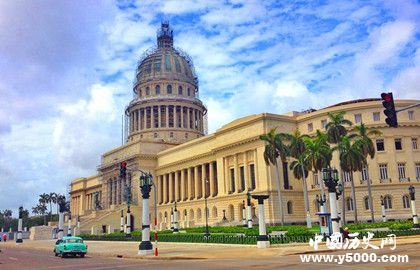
(346, 233)
(4, 237)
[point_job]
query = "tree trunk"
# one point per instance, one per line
(343, 198)
(370, 200)
(321, 183)
(353, 193)
(276, 171)
(305, 196)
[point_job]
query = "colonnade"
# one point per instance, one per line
(166, 116)
(188, 184)
(115, 189)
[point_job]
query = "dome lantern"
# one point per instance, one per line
(165, 37)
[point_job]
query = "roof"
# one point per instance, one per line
(71, 237)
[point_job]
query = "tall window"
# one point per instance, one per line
(316, 180)
(380, 146)
(157, 63)
(232, 179)
(252, 174)
(358, 118)
(388, 202)
(401, 171)
(348, 176)
(169, 89)
(398, 144)
(188, 92)
(289, 207)
(417, 167)
(324, 123)
(383, 171)
(180, 90)
(242, 172)
(168, 62)
(286, 176)
(157, 89)
(365, 174)
(367, 203)
(411, 115)
(414, 143)
(349, 204)
(376, 116)
(406, 201)
(310, 127)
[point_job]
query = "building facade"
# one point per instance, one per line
(167, 138)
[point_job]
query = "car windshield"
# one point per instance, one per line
(74, 241)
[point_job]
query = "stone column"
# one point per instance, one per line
(249, 209)
(203, 181)
(246, 173)
(194, 118)
(334, 215)
(69, 226)
(159, 117)
(237, 182)
(165, 188)
(176, 220)
(188, 118)
(167, 116)
(196, 182)
(262, 240)
(19, 232)
(152, 117)
(145, 118)
(182, 116)
(176, 195)
(189, 184)
(175, 117)
(171, 184)
(211, 176)
(183, 185)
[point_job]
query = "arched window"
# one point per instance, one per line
(367, 203)
(388, 202)
(290, 207)
(349, 204)
(406, 201)
(180, 90)
(169, 89)
(157, 89)
(191, 214)
(198, 214)
(214, 214)
(231, 213)
(147, 91)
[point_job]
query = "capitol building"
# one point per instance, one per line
(167, 137)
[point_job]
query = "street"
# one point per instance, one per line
(13, 258)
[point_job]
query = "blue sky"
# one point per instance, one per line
(67, 67)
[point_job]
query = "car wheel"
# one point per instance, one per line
(82, 255)
(63, 255)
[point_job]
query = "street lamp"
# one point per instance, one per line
(412, 192)
(127, 199)
(330, 178)
(19, 232)
(321, 199)
(384, 219)
(61, 200)
(146, 183)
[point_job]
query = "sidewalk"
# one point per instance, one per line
(185, 251)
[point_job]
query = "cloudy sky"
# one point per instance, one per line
(67, 67)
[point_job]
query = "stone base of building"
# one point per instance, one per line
(263, 244)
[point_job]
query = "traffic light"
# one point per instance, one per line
(123, 169)
(390, 113)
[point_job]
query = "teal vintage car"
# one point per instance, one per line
(70, 245)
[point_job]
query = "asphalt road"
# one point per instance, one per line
(18, 258)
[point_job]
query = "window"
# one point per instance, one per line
(157, 63)
(414, 143)
(410, 115)
(406, 201)
(285, 176)
(180, 90)
(242, 172)
(252, 174)
(232, 179)
(358, 118)
(417, 167)
(316, 180)
(169, 89)
(289, 207)
(349, 204)
(157, 89)
(147, 91)
(365, 174)
(348, 176)
(310, 127)
(177, 65)
(380, 146)
(388, 202)
(383, 172)
(376, 116)
(401, 171)
(168, 62)
(366, 201)
(324, 123)
(398, 144)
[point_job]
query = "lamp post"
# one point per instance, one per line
(62, 208)
(145, 246)
(412, 192)
(176, 229)
(338, 193)
(330, 178)
(249, 209)
(122, 221)
(127, 199)
(172, 219)
(19, 232)
(243, 215)
(384, 219)
(321, 199)
(69, 225)
(262, 240)
(207, 234)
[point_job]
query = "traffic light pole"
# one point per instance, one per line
(408, 107)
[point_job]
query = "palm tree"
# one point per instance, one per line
(274, 149)
(318, 154)
(351, 159)
(363, 139)
(300, 166)
(336, 128)
(7, 215)
(44, 198)
(52, 200)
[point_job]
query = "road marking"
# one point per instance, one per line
(13, 258)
